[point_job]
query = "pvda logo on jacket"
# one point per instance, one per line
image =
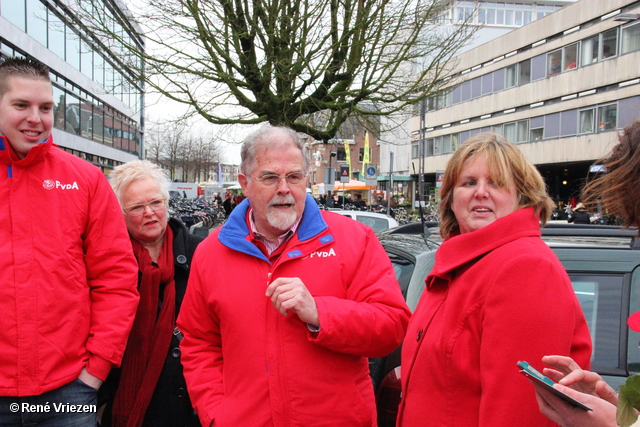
(50, 185)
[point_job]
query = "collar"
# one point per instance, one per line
(235, 231)
(9, 157)
(463, 248)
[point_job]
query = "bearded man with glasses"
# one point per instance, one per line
(286, 303)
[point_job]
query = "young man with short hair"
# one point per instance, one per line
(68, 276)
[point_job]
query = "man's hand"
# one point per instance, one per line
(289, 293)
(90, 380)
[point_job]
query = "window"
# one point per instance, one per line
(86, 59)
(610, 43)
(446, 144)
(590, 50)
(15, 12)
(568, 122)
(437, 146)
(630, 38)
(536, 134)
(429, 148)
(586, 121)
(537, 128)
(403, 268)
(341, 155)
(98, 69)
(498, 80)
(607, 117)
(509, 132)
(73, 49)
(524, 72)
(511, 78)
(487, 84)
(523, 131)
(570, 57)
(464, 11)
(597, 295)
(538, 67)
(37, 21)
(361, 154)
(415, 150)
(56, 35)
(476, 87)
(552, 125)
(554, 62)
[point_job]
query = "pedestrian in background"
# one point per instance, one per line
(68, 274)
(496, 295)
(286, 303)
(579, 215)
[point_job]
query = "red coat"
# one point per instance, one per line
(68, 276)
(495, 296)
(248, 365)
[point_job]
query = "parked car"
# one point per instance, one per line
(603, 265)
(377, 221)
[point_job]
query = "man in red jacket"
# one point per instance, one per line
(67, 272)
(285, 303)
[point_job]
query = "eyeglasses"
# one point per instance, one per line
(139, 209)
(273, 180)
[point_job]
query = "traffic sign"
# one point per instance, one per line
(371, 174)
(344, 173)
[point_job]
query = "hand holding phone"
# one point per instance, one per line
(547, 383)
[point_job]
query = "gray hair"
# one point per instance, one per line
(272, 136)
(122, 176)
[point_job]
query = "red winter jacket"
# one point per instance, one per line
(68, 275)
(495, 296)
(248, 365)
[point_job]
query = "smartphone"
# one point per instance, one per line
(546, 382)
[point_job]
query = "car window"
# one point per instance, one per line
(633, 345)
(378, 224)
(600, 296)
(404, 269)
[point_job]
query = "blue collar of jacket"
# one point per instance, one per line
(235, 232)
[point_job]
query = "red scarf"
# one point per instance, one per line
(150, 336)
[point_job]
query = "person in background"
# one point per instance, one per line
(228, 204)
(358, 202)
(616, 190)
(68, 274)
(286, 303)
(497, 294)
(580, 215)
(150, 389)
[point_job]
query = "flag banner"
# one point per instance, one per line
(347, 152)
(365, 155)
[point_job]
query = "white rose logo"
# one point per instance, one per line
(48, 184)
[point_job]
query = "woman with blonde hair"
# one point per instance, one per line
(496, 295)
(149, 389)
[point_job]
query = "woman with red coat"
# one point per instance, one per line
(496, 295)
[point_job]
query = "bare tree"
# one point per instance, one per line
(246, 62)
(186, 156)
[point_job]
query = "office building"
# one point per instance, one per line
(561, 87)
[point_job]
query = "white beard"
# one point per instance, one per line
(278, 219)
